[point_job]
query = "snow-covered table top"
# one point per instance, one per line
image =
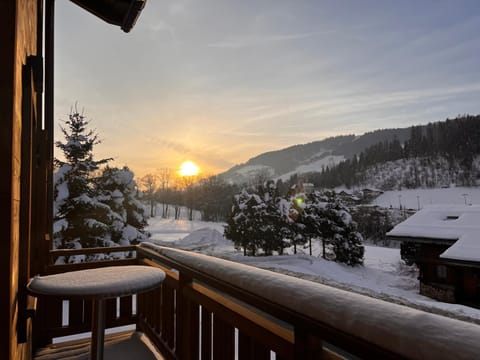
(99, 283)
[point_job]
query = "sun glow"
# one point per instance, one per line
(188, 168)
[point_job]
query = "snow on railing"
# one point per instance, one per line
(306, 318)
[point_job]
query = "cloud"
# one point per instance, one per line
(162, 26)
(250, 41)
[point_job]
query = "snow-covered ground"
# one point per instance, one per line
(418, 198)
(383, 275)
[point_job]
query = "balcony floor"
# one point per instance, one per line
(125, 345)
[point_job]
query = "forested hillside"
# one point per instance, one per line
(437, 154)
(290, 160)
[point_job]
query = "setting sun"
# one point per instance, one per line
(188, 168)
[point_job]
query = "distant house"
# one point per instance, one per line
(349, 198)
(308, 188)
(446, 248)
(369, 194)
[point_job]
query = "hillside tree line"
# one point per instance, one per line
(452, 145)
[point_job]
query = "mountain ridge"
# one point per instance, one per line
(284, 162)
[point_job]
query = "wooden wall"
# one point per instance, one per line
(18, 39)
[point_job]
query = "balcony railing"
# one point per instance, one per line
(212, 308)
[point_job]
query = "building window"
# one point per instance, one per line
(441, 272)
(451, 217)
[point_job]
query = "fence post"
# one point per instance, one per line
(187, 326)
(307, 345)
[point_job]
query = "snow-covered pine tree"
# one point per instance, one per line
(117, 188)
(270, 216)
(319, 219)
(244, 221)
(296, 221)
(347, 241)
(80, 219)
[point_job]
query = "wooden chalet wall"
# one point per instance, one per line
(431, 284)
(18, 113)
(460, 283)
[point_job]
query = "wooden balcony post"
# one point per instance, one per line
(307, 345)
(187, 321)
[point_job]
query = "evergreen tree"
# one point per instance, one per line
(91, 210)
(318, 221)
(117, 188)
(243, 222)
(81, 220)
(296, 219)
(328, 219)
(347, 241)
(271, 231)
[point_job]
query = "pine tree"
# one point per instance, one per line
(317, 223)
(244, 222)
(272, 228)
(296, 219)
(347, 241)
(81, 220)
(117, 189)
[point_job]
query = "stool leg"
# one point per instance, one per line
(98, 329)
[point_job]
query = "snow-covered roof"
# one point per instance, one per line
(446, 222)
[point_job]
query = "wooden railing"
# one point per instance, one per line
(209, 308)
(213, 308)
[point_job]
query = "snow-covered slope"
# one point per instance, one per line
(313, 166)
(309, 157)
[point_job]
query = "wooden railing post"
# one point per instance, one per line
(307, 345)
(187, 322)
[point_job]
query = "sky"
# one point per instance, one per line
(220, 81)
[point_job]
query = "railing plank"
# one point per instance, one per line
(126, 307)
(194, 330)
(49, 316)
(96, 250)
(156, 320)
(110, 312)
(249, 349)
(307, 345)
(223, 339)
(75, 312)
(206, 334)
(168, 325)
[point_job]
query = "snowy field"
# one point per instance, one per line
(418, 198)
(383, 276)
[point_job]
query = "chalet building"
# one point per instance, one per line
(445, 244)
(369, 194)
(205, 307)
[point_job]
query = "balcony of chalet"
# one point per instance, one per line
(206, 308)
(209, 308)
